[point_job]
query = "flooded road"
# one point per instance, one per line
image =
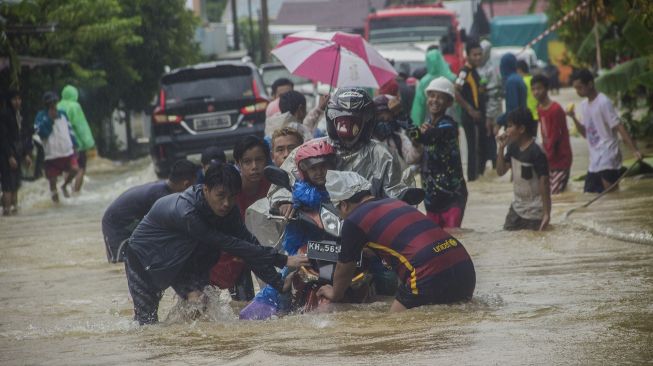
(572, 295)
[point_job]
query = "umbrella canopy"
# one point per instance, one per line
(336, 58)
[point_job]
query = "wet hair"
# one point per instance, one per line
(281, 82)
(522, 116)
(225, 175)
(523, 66)
(584, 75)
(249, 142)
(291, 101)
(471, 44)
(287, 131)
(183, 170)
(211, 154)
(540, 79)
(356, 198)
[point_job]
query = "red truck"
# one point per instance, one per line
(403, 33)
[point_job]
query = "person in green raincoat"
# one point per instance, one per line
(81, 130)
(436, 66)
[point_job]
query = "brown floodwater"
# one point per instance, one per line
(579, 293)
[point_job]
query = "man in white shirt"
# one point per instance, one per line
(600, 124)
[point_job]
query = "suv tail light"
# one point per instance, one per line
(160, 116)
(259, 105)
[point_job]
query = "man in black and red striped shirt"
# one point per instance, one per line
(434, 267)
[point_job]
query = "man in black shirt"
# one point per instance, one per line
(471, 97)
(122, 216)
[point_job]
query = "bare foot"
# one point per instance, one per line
(64, 190)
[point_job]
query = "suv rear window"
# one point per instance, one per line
(224, 82)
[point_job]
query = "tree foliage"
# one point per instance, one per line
(625, 29)
(116, 49)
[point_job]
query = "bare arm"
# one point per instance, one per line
(579, 127)
(502, 165)
(341, 280)
(545, 193)
(629, 141)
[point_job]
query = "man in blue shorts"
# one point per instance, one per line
(123, 214)
(434, 267)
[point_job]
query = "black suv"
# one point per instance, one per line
(202, 105)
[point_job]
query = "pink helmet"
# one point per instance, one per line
(313, 152)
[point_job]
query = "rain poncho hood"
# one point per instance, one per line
(514, 87)
(508, 65)
(344, 185)
(436, 66)
(76, 116)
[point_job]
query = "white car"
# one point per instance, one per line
(411, 54)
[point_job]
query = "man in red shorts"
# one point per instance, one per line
(54, 129)
(434, 267)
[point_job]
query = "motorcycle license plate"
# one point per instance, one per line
(323, 250)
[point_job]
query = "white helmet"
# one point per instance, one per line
(343, 185)
(442, 85)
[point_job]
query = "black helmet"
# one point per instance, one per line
(349, 116)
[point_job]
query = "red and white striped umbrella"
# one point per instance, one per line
(336, 58)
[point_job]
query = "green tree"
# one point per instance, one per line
(251, 37)
(117, 50)
(214, 10)
(167, 31)
(625, 30)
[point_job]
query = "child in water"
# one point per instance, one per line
(531, 206)
(313, 159)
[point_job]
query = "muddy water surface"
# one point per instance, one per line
(575, 294)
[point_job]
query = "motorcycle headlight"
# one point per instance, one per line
(331, 222)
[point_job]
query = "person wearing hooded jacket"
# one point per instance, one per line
(81, 130)
(513, 86)
(182, 237)
(436, 66)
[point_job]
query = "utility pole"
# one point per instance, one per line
(250, 51)
(264, 32)
(234, 20)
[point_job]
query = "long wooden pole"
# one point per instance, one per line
(265, 34)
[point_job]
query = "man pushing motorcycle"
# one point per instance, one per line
(350, 123)
(433, 266)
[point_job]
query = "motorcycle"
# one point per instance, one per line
(322, 248)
